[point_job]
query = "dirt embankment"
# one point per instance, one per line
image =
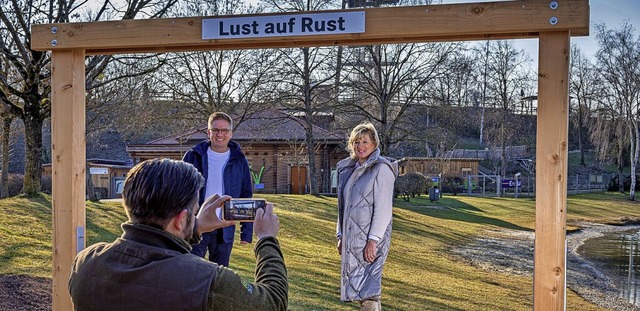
(24, 293)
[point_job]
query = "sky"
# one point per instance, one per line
(612, 13)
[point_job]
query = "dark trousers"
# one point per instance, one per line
(219, 252)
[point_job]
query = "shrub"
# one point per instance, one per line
(46, 185)
(614, 185)
(452, 183)
(15, 184)
(410, 185)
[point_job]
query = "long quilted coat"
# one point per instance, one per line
(364, 209)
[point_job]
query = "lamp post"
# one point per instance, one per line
(516, 179)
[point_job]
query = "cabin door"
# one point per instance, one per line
(298, 180)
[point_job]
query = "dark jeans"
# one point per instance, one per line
(219, 252)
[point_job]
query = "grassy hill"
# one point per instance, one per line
(420, 273)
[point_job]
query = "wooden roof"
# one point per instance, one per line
(266, 126)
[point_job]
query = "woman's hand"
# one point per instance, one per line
(370, 251)
(340, 247)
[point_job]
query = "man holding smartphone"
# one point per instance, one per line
(149, 267)
(226, 171)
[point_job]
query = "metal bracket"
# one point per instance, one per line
(79, 239)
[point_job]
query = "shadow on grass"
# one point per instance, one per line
(319, 207)
(309, 288)
(406, 297)
(452, 209)
(103, 222)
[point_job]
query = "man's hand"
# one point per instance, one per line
(207, 218)
(266, 223)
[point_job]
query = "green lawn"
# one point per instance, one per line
(419, 275)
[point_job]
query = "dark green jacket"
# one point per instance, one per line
(150, 269)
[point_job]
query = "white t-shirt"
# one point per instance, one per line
(215, 181)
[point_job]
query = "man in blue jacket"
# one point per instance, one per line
(226, 172)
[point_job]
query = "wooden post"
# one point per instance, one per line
(549, 283)
(68, 166)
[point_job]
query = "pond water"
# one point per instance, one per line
(618, 257)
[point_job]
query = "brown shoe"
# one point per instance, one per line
(370, 305)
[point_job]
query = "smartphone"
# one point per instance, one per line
(242, 209)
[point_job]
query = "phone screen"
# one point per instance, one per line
(242, 209)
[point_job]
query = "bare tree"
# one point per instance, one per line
(5, 141)
(454, 98)
(305, 88)
(584, 89)
(611, 139)
(507, 75)
(29, 91)
(234, 81)
(388, 81)
(7, 118)
(121, 110)
(452, 88)
(618, 61)
(201, 83)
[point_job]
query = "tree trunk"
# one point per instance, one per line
(635, 150)
(309, 139)
(91, 191)
(311, 154)
(620, 166)
(4, 178)
(33, 163)
(580, 144)
(503, 152)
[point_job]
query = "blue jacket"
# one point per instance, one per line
(237, 181)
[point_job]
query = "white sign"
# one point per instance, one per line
(283, 25)
(98, 170)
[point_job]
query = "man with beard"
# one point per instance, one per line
(150, 267)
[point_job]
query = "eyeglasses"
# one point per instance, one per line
(221, 131)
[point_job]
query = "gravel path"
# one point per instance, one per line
(511, 251)
(23, 293)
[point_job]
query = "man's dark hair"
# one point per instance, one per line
(158, 189)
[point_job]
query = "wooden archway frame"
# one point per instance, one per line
(552, 22)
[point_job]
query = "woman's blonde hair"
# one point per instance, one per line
(360, 130)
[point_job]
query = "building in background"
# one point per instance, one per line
(107, 176)
(274, 144)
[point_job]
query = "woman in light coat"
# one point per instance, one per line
(365, 199)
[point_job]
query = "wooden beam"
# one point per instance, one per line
(549, 280)
(450, 22)
(68, 166)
